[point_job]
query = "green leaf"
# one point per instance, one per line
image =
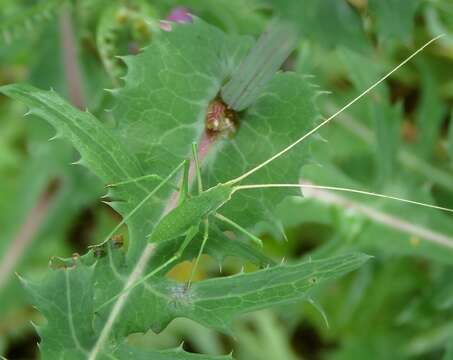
(66, 299)
(381, 226)
(450, 137)
(449, 350)
(26, 18)
(69, 298)
(394, 19)
(100, 149)
(430, 112)
(214, 302)
(330, 23)
(385, 117)
(168, 87)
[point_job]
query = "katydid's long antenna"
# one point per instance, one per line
(325, 122)
(334, 188)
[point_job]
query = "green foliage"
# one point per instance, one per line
(394, 19)
(331, 23)
(163, 78)
(175, 99)
(69, 299)
(18, 18)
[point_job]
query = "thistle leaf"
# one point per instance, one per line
(69, 298)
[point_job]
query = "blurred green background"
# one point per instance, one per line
(397, 141)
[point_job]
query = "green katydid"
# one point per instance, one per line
(191, 211)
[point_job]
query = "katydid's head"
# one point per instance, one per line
(219, 194)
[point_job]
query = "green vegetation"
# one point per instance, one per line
(139, 253)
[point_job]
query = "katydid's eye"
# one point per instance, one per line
(220, 120)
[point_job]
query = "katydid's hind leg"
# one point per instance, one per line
(200, 251)
(238, 227)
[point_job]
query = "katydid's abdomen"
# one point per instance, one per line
(190, 213)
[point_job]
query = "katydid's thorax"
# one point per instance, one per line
(214, 197)
(190, 213)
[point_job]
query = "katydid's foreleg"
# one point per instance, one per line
(188, 238)
(230, 222)
(200, 251)
(141, 203)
